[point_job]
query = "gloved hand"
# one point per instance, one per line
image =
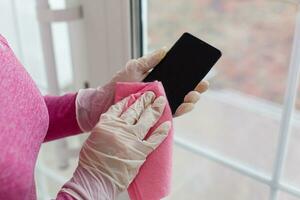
(112, 155)
(90, 103)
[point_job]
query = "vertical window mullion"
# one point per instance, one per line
(288, 108)
(48, 50)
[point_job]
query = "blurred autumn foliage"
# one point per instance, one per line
(255, 37)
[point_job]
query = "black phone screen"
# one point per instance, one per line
(183, 67)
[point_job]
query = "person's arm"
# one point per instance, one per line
(62, 116)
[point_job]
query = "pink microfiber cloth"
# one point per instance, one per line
(154, 178)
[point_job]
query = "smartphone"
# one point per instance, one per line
(183, 67)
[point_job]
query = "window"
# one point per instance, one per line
(242, 139)
(242, 121)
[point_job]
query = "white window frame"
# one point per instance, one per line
(121, 33)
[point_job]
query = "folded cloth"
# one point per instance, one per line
(154, 178)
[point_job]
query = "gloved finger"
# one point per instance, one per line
(184, 108)
(192, 97)
(117, 109)
(150, 116)
(202, 86)
(158, 135)
(132, 114)
(151, 60)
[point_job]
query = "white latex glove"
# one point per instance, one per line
(112, 155)
(90, 103)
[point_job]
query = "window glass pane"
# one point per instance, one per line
(20, 27)
(48, 158)
(285, 196)
(62, 49)
(291, 169)
(62, 55)
(7, 26)
(197, 178)
(240, 115)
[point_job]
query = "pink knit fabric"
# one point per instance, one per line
(154, 178)
(26, 120)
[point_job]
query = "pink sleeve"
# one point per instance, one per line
(64, 196)
(62, 116)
